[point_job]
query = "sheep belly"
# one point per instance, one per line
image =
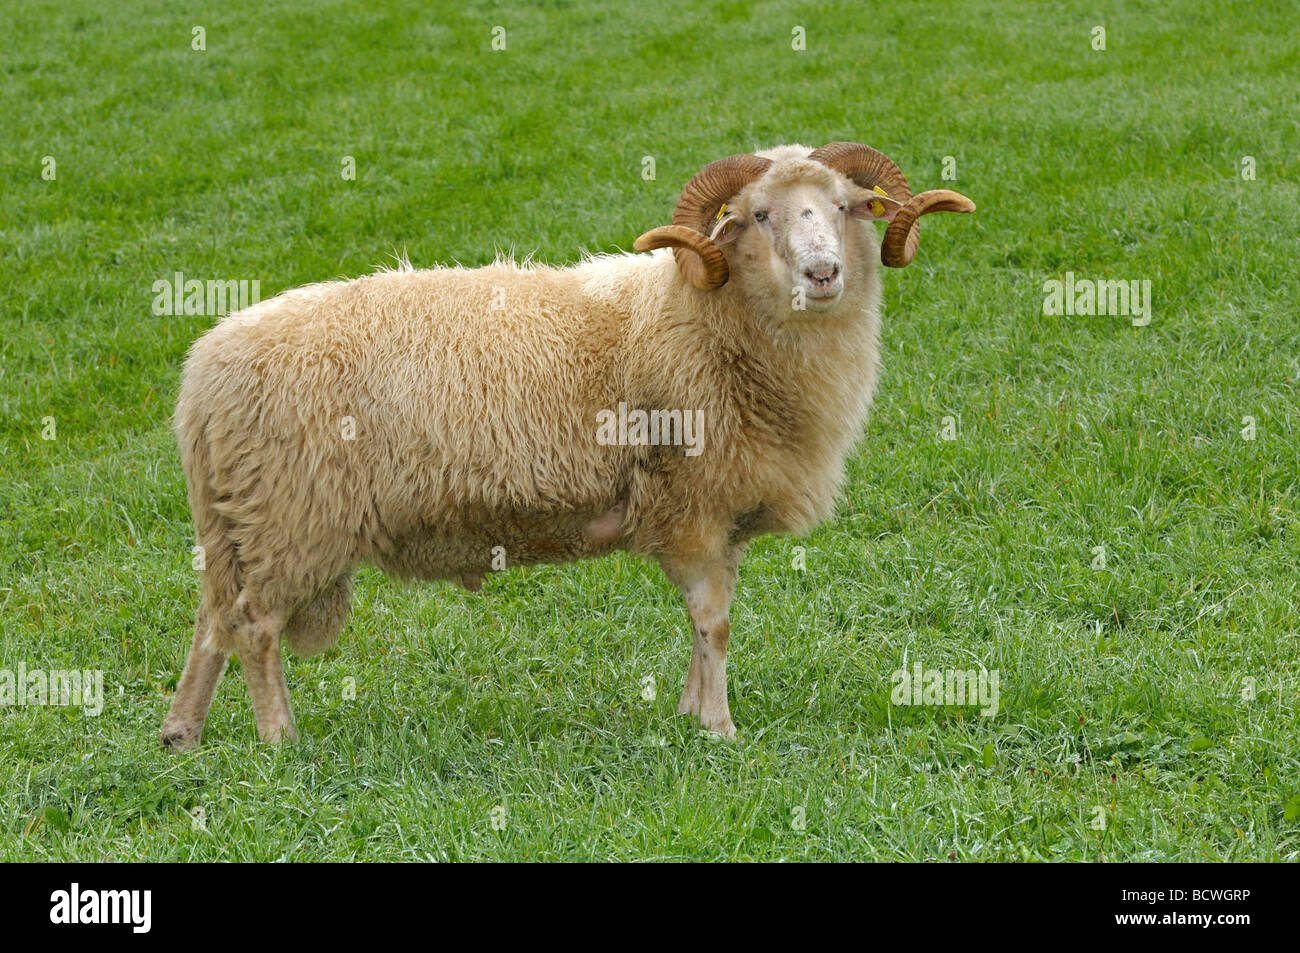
(466, 551)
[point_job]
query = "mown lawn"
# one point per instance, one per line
(1157, 693)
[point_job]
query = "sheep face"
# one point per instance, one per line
(804, 252)
(794, 235)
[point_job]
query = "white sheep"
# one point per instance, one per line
(425, 421)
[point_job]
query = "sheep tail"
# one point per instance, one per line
(215, 555)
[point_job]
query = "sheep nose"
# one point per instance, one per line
(822, 275)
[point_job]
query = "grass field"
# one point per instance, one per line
(1157, 694)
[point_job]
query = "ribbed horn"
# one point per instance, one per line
(903, 235)
(706, 270)
(870, 169)
(700, 261)
(866, 166)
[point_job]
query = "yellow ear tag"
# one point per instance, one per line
(878, 208)
(721, 213)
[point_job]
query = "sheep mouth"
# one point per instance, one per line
(823, 297)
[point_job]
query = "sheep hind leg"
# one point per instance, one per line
(182, 729)
(257, 640)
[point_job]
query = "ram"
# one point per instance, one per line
(424, 420)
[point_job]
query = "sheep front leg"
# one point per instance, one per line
(708, 589)
(690, 702)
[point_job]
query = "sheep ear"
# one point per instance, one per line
(876, 208)
(727, 230)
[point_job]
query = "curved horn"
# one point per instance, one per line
(904, 233)
(870, 169)
(701, 262)
(866, 166)
(706, 271)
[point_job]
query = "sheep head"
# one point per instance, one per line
(794, 205)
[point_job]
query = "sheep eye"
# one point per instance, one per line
(760, 216)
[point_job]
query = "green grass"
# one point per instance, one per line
(1122, 688)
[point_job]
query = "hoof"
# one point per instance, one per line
(719, 726)
(278, 733)
(179, 738)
